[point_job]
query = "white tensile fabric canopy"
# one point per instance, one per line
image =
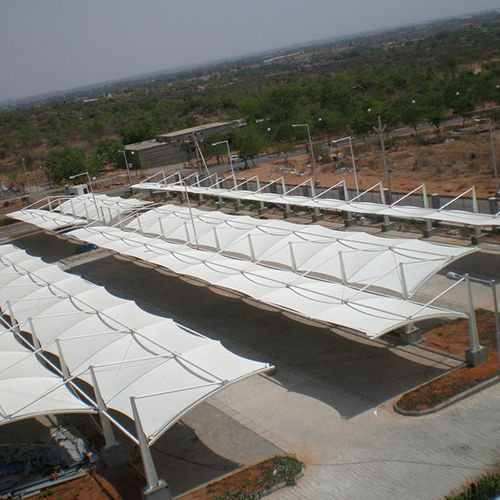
(329, 204)
(61, 212)
(397, 264)
(45, 219)
(119, 349)
(29, 389)
(99, 206)
(371, 313)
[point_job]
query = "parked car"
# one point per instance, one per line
(235, 158)
(87, 247)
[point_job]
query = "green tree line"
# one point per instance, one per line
(337, 88)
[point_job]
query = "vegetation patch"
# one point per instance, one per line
(252, 482)
(484, 488)
(6, 221)
(453, 337)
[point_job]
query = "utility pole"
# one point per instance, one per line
(26, 175)
(128, 169)
(380, 131)
(198, 161)
(493, 156)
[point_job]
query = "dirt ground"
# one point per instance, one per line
(257, 479)
(453, 338)
(122, 484)
(447, 167)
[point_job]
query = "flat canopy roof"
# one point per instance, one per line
(138, 146)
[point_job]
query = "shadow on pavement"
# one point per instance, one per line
(49, 248)
(350, 376)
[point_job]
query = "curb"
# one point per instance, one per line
(447, 402)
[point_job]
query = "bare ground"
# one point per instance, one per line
(447, 167)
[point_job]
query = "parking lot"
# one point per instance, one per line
(324, 382)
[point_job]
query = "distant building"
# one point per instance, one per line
(175, 147)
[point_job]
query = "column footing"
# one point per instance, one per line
(477, 357)
(159, 492)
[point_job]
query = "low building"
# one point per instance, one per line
(174, 148)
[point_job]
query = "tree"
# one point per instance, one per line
(411, 114)
(210, 151)
(138, 133)
(285, 148)
(109, 150)
(249, 142)
(436, 115)
(70, 162)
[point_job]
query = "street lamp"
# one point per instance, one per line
(228, 157)
(492, 146)
(352, 159)
(472, 318)
(28, 189)
(127, 167)
(380, 130)
(315, 169)
(91, 189)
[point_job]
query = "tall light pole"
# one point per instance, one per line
(228, 157)
(492, 284)
(269, 139)
(127, 167)
(91, 189)
(493, 154)
(380, 131)
(352, 159)
(315, 169)
(26, 175)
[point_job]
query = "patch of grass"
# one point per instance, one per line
(486, 487)
(46, 493)
(253, 482)
(277, 470)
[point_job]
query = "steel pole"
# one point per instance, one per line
(191, 215)
(474, 336)
(354, 167)
(107, 429)
(230, 162)
(93, 196)
(27, 178)
(315, 168)
(382, 145)
(147, 460)
(497, 319)
(126, 166)
(493, 156)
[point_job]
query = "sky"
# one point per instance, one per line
(49, 45)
